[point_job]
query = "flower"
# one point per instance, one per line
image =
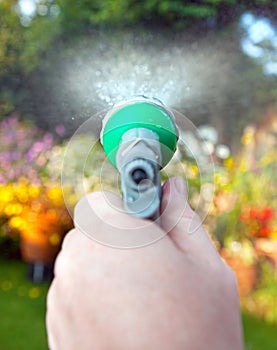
(24, 151)
(258, 220)
(35, 213)
(32, 205)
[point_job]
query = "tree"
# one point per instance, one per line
(22, 43)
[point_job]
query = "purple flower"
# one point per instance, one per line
(24, 151)
(60, 130)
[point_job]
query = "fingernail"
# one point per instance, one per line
(180, 185)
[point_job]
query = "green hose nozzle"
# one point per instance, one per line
(139, 138)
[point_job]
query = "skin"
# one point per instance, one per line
(176, 293)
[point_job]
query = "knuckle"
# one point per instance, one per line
(69, 238)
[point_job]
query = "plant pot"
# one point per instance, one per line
(38, 251)
(246, 273)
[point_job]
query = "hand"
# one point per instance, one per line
(174, 294)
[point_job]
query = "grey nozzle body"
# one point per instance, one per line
(139, 162)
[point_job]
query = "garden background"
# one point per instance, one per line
(64, 61)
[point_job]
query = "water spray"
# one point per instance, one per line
(139, 137)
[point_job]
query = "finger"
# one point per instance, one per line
(101, 217)
(52, 317)
(181, 222)
(75, 246)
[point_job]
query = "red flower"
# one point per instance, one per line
(258, 220)
(264, 231)
(263, 214)
(266, 214)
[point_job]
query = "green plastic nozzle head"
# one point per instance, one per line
(139, 113)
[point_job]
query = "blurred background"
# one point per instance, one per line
(63, 62)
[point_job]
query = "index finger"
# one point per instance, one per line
(101, 217)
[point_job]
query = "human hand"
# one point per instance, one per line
(173, 294)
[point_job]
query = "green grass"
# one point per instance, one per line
(258, 334)
(22, 309)
(22, 314)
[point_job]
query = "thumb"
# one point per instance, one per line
(180, 222)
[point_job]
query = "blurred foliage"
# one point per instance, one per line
(30, 46)
(21, 50)
(11, 36)
(83, 168)
(262, 300)
(23, 40)
(7, 102)
(33, 207)
(21, 46)
(246, 191)
(177, 14)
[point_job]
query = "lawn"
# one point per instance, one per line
(22, 321)
(258, 334)
(22, 305)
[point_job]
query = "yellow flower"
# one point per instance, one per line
(6, 194)
(217, 179)
(17, 222)
(55, 239)
(13, 209)
(21, 192)
(229, 163)
(194, 169)
(34, 192)
(247, 139)
(23, 197)
(55, 195)
(248, 135)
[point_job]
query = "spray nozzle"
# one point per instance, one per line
(139, 138)
(138, 175)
